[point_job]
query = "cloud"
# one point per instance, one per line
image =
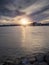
(40, 10)
(6, 10)
(35, 9)
(10, 13)
(12, 7)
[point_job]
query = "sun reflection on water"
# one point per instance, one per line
(23, 34)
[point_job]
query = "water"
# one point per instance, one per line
(19, 41)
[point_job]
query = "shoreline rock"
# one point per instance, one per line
(34, 59)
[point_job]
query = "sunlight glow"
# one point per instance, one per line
(24, 21)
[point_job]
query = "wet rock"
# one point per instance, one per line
(10, 58)
(1, 64)
(32, 60)
(40, 57)
(28, 64)
(2, 59)
(8, 63)
(25, 61)
(36, 59)
(47, 58)
(35, 63)
(17, 61)
(43, 63)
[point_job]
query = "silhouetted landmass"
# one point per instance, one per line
(9, 25)
(39, 24)
(32, 24)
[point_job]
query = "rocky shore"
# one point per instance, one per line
(34, 59)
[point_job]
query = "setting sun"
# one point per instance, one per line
(24, 21)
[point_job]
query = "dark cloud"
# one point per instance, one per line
(40, 17)
(10, 13)
(5, 11)
(26, 3)
(30, 1)
(40, 13)
(41, 10)
(5, 2)
(6, 8)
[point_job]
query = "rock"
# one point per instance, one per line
(28, 64)
(25, 61)
(40, 57)
(40, 63)
(8, 63)
(47, 58)
(17, 61)
(1, 64)
(35, 63)
(32, 60)
(43, 63)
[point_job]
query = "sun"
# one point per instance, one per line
(24, 21)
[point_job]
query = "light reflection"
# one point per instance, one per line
(23, 34)
(31, 41)
(26, 40)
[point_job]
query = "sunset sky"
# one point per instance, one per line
(12, 10)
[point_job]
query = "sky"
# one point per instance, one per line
(11, 10)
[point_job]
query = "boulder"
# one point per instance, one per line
(28, 64)
(40, 57)
(8, 63)
(17, 61)
(35, 63)
(25, 61)
(43, 63)
(47, 58)
(1, 64)
(32, 60)
(40, 63)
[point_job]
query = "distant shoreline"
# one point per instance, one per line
(20, 25)
(31, 24)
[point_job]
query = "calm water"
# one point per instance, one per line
(18, 41)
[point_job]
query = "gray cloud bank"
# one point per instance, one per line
(41, 11)
(8, 8)
(12, 8)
